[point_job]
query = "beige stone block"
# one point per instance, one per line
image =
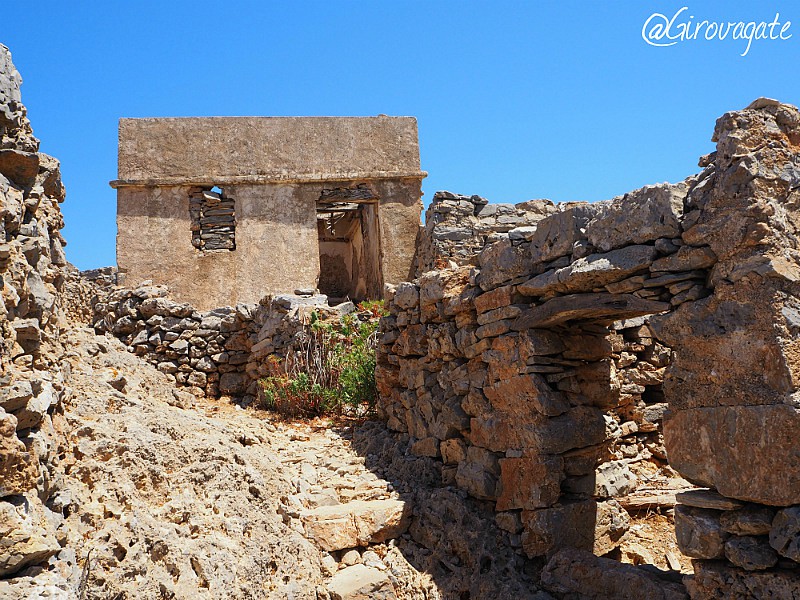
(356, 523)
(359, 582)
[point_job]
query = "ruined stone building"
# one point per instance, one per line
(227, 209)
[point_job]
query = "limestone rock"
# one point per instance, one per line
(707, 499)
(556, 234)
(641, 216)
(612, 523)
(478, 473)
(699, 533)
(586, 525)
(719, 581)
(25, 534)
(18, 468)
(715, 447)
(501, 262)
(687, 258)
(579, 427)
(598, 306)
(530, 482)
(581, 575)
(591, 272)
(567, 526)
(748, 521)
(784, 535)
(356, 523)
(740, 321)
(750, 553)
(614, 479)
(20, 167)
(520, 394)
(35, 408)
(359, 582)
(15, 395)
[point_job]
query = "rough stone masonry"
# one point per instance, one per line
(520, 364)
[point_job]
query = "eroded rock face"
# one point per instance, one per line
(32, 272)
(18, 471)
(15, 129)
(26, 534)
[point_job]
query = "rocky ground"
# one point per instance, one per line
(163, 495)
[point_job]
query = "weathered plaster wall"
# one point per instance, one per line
(221, 149)
(371, 261)
(276, 243)
(275, 169)
(399, 215)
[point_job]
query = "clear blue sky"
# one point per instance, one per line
(515, 100)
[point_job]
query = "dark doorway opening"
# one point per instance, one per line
(349, 244)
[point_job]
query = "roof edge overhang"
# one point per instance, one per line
(265, 179)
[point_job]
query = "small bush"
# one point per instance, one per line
(331, 372)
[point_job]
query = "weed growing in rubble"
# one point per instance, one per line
(331, 371)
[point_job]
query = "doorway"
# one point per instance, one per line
(349, 244)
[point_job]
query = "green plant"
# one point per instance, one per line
(376, 308)
(331, 371)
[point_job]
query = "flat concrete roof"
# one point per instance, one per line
(225, 150)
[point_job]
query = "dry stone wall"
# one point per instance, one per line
(529, 372)
(223, 351)
(457, 227)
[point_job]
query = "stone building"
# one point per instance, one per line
(227, 209)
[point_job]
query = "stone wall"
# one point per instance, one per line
(32, 382)
(524, 372)
(458, 227)
(223, 351)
